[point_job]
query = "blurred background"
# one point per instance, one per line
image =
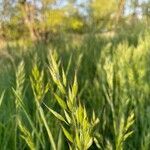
(46, 20)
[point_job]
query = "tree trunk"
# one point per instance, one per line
(120, 10)
(28, 16)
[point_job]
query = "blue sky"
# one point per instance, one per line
(64, 2)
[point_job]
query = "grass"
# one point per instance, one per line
(88, 95)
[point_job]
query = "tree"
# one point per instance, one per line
(101, 11)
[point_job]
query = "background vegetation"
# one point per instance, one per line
(74, 74)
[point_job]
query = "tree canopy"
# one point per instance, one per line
(40, 19)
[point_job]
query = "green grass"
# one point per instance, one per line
(92, 94)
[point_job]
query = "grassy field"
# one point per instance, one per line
(76, 92)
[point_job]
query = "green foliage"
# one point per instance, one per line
(77, 91)
(75, 115)
(26, 136)
(1, 98)
(102, 8)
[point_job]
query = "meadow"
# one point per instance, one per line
(92, 94)
(76, 91)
